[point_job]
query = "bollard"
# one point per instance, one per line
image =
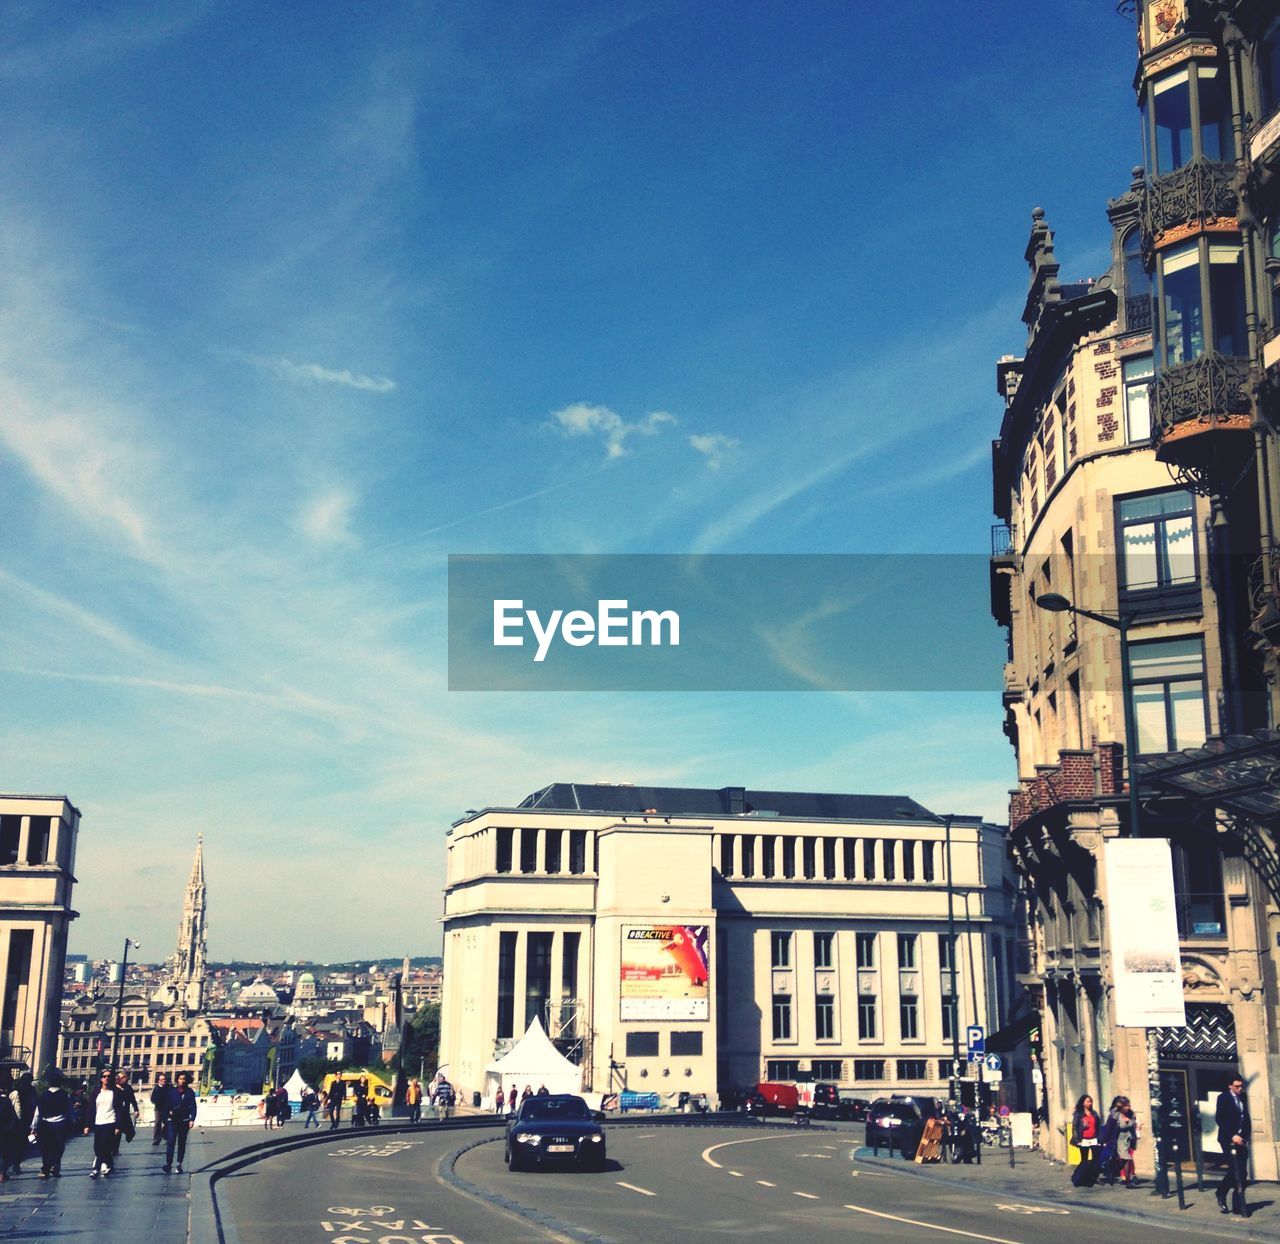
(1177, 1176)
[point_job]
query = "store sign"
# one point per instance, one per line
(665, 972)
(1143, 931)
(1268, 133)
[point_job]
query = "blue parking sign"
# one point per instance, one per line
(977, 1041)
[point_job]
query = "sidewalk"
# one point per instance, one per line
(1037, 1181)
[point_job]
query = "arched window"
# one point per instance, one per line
(1137, 284)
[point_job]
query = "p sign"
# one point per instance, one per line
(977, 1040)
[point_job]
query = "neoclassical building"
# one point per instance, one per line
(672, 939)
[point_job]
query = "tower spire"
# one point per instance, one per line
(189, 962)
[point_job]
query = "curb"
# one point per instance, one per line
(1230, 1228)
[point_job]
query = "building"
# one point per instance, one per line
(1135, 474)
(37, 874)
(188, 966)
(673, 939)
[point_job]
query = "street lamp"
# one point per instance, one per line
(1054, 602)
(951, 943)
(124, 965)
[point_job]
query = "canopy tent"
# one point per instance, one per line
(296, 1086)
(534, 1061)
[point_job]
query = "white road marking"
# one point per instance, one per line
(736, 1174)
(1033, 1209)
(764, 1183)
(633, 1188)
(808, 1196)
(930, 1226)
(646, 1136)
(724, 1144)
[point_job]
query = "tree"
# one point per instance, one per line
(420, 1042)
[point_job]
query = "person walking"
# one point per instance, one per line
(107, 1107)
(1120, 1141)
(1086, 1131)
(1234, 1126)
(53, 1109)
(499, 1102)
(159, 1100)
(413, 1099)
(337, 1095)
(11, 1135)
(360, 1105)
(128, 1122)
(267, 1108)
(511, 1100)
(181, 1114)
(311, 1104)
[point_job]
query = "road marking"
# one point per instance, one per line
(736, 1174)
(764, 1183)
(633, 1188)
(646, 1136)
(808, 1196)
(1018, 1208)
(930, 1226)
(724, 1144)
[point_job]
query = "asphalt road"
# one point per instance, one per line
(698, 1183)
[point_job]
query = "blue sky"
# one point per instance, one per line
(296, 300)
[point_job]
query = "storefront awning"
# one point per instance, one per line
(1013, 1034)
(1239, 773)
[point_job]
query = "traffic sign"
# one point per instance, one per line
(977, 1040)
(992, 1062)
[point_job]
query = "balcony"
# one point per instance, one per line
(1004, 561)
(1202, 419)
(1197, 192)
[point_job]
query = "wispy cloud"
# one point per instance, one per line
(581, 419)
(326, 519)
(314, 373)
(715, 447)
(85, 619)
(917, 481)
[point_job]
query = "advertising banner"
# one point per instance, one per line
(665, 972)
(1143, 931)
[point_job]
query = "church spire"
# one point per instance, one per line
(189, 962)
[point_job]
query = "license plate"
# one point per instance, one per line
(559, 1148)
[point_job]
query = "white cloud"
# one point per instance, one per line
(314, 373)
(715, 447)
(580, 419)
(327, 518)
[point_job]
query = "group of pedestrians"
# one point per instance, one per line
(1107, 1146)
(275, 1109)
(508, 1103)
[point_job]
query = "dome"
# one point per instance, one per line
(259, 991)
(306, 979)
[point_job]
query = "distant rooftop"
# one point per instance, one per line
(727, 801)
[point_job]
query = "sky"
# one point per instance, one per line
(297, 300)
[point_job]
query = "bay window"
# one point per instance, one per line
(1169, 699)
(1190, 116)
(1199, 277)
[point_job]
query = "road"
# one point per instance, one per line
(701, 1183)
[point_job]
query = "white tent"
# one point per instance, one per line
(534, 1061)
(296, 1085)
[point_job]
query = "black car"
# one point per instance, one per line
(828, 1104)
(555, 1129)
(896, 1123)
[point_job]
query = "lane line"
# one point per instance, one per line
(633, 1188)
(930, 1226)
(764, 1183)
(808, 1196)
(737, 1174)
(724, 1144)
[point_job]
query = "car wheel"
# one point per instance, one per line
(513, 1162)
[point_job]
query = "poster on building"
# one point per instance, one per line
(664, 972)
(1143, 931)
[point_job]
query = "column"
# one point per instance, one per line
(736, 856)
(540, 851)
(55, 840)
(24, 839)
(564, 851)
(516, 835)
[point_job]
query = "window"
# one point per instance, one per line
(537, 976)
(749, 856)
(726, 855)
(1157, 540)
(946, 948)
(642, 1045)
(866, 1017)
(1168, 694)
(1137, 284)
(866, 950)
(555, 838)
(926, 860)
(868, 1070)
(1269, 69)
(578, 851)
(782, 1069)
(1172, 108)
(906, 950)
(827, 1069)
(908, 860)
(9, 829)
(909, 1017)
(569, 965)
(949, 1029)
(824, 955)
(780, 949)
(824, 1017)
(1216, 139)
(686, 1044)
(947, 1069)
(890, 873)
(1137, 399)
(869, 858)
(788, 857)
(1191, 100)
(913, 1069)
(767, 863)
(529, 850)
(807, 854)
(506, 984)
(1205, 274)
(781, 1017)
(1197, 888)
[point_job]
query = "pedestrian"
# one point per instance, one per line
(372, 1111)
(1086, 1130)
(543, 1091)
(107, 1107)
(444, 1099)
(159, 1100)
(413, 1099)
(11, 1135)
(528, 1092)
(311, 1104)
(337, 1095)
(499, 1101)
(511, 1100)
(970, 1137)
(53, 1109)
(284, 1111)
(359, 1108)
(1124, 1141)
(1234, 1128)
(267, 1108)
(181, 1114)
(128, 1123)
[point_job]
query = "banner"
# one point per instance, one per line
(665, 972)
(1143, 931)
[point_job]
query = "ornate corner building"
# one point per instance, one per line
(1137, 474)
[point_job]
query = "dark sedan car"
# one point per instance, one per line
(895, 1123)
(555, 1129)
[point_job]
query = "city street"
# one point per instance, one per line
(704, 1183)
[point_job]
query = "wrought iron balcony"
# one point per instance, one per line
(1199, 191)
(1137, 313)
(1003, 539)
(1205, 390)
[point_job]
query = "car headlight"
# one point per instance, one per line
(527, 1139)
(596, 1140)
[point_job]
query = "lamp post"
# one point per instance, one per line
(1056, 603)
(124, 966)
(951, 942)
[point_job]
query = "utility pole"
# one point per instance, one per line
(124, 966)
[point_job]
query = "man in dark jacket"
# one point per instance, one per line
(1234, 1126)
(337, 1095)
(159, 1104)
(180, 1112)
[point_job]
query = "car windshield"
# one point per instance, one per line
(555, 1108)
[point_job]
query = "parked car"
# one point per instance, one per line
(858, 1107)
(828, 1104)
(897, 1122)
(555, 1129)
(778, 1097)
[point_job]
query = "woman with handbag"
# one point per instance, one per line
(1086, 1135)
